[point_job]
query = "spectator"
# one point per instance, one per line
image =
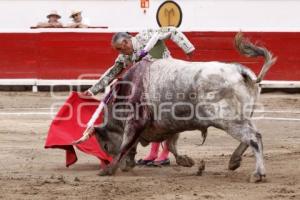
(78, 22)
(53, 22)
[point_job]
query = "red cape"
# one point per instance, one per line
(69, 125)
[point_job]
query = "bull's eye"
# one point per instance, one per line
(105, 147)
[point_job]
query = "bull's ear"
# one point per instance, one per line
(102, 133)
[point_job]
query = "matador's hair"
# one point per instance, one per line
(119, 37)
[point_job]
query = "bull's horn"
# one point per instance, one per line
(89, 132)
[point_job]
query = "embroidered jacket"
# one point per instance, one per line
(151, 41)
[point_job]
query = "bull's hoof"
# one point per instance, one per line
(201, 168)
(108, 171)
(234, 163)
(185, 161)
(127, 166)
(257, 178)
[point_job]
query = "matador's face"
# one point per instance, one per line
(125, 47)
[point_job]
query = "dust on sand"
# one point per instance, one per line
(28, 171)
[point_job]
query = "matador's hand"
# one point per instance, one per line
(142, 54)
(190, 55)
(87, 93)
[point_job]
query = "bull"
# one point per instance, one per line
(163, 98)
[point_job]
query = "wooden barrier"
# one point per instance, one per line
(69, 55)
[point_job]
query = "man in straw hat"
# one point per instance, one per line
(78, 22)
(53, 22)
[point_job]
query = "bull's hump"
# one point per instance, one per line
(203, 70)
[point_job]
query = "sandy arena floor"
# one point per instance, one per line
(28, 171)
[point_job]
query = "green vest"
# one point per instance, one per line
(158, 50)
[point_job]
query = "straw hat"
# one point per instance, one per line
(53, 13)
(75, 12)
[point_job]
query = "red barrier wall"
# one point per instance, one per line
(63, 55)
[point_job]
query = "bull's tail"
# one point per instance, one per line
(245, 47)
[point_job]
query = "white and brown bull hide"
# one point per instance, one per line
(169, 96)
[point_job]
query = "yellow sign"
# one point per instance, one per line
(169, 14)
